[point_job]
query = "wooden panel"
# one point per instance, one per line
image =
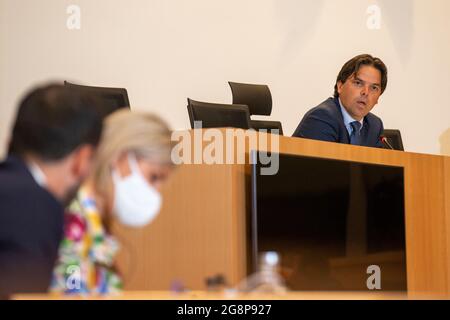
(446, 193)
(240, 203)
(342, 152)
(427, 264)
(201, 229)
(190, 239)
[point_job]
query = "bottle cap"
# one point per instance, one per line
(270, 258)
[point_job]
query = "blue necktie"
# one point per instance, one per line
(355, 137)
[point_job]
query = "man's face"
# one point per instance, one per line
(360, 93)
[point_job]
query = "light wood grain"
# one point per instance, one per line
(202, 295)
(201, 229)
(446, 192)
(191, 238)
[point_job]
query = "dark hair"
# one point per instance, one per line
(352, 67)
(52, 121)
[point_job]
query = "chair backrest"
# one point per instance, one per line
(394, 138)
(267, 125)
(257, 97)
(215, 115)
(112, 98)
(259, 101)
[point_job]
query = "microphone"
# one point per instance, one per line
(385, 141)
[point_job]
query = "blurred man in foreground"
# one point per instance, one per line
(51, 150)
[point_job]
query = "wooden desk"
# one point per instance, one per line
(201, 295)
(200, 231)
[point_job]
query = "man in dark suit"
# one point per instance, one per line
(346, 117)
(51, 150)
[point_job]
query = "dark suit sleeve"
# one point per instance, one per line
(317, 124)
(30, 232)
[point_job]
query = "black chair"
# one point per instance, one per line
(394, 139)
(215, 115)
(259, 101)
(112, 98)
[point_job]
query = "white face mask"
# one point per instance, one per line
(136, 202)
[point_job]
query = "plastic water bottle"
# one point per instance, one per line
(267, 279)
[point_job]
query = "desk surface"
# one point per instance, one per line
(201, 295)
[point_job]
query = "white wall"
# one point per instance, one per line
(164, 51)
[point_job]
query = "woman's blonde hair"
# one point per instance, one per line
(144, 134)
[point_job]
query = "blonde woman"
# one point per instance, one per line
(133, 161)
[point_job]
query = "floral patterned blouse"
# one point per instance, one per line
(86, 253)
